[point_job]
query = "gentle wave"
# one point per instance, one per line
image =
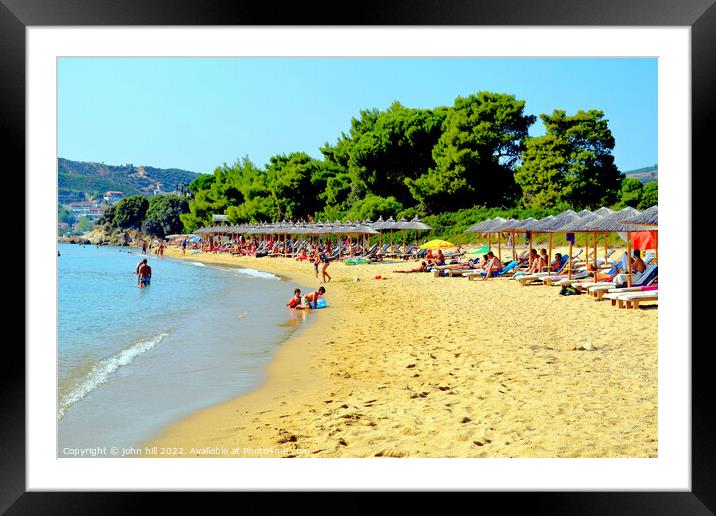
(102, 371)
(198, 264)
(256, 274)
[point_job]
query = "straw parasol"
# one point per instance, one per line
(389, 224)
(417, 225)
(614, 222)
(649, 217)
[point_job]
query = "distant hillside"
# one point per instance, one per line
(645, 175)
(82, 179)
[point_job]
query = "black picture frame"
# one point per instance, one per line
(700, 15)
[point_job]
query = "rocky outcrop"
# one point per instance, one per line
(104, 235)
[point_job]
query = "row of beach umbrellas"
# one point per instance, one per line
(320, 228)
(602, 221)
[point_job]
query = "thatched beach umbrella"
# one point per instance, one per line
(650, 219)
(417, 225)
(513, 226)
(553, 225)
(486, 226)
(579, 226)
(401, 225)
(530, 226)
(389, 224)
(614, 222)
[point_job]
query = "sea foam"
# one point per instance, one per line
(101, 371)
(256, 274)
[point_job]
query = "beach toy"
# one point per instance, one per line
(321, 303)
(378, 277)
(356, 261)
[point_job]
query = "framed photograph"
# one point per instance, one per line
(255, 235)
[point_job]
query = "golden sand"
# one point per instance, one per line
(418, 366)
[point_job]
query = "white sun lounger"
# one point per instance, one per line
(632, 299)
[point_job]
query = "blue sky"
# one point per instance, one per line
(196, 114)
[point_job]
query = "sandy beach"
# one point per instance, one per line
(417, 366)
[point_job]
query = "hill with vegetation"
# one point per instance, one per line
(644, 174)
(86, 179)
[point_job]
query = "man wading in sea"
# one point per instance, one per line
(144, 274)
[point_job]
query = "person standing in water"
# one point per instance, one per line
(144, 274)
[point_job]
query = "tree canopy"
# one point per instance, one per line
(163, 215)
(571, 163)
(405, 161)
(130, 211)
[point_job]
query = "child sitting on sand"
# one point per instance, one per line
(295, 300)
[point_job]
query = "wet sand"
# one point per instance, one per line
(417, 366)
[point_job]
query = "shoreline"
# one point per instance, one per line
(417, 366)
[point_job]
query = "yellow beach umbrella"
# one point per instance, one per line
(437, 244)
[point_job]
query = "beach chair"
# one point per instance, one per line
(528, 278)
(394, 253)
(646, 278)
(614, 294)
(408, 253)
(380, 253)
(371, 251)
(632, 299)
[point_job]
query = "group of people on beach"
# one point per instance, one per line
(158, 250)
(490, 264)
(307, 301)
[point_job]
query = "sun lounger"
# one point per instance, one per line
(632, 299)
(408, 253)
(527, 278)
(644, 279)
(614, 293)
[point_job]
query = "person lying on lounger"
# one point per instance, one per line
(494, 265)
(421, 268)
(637, 267)
(637, 264)
(556, 263)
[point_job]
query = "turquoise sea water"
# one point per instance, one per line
(131, 360)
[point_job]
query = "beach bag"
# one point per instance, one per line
(569, 290)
